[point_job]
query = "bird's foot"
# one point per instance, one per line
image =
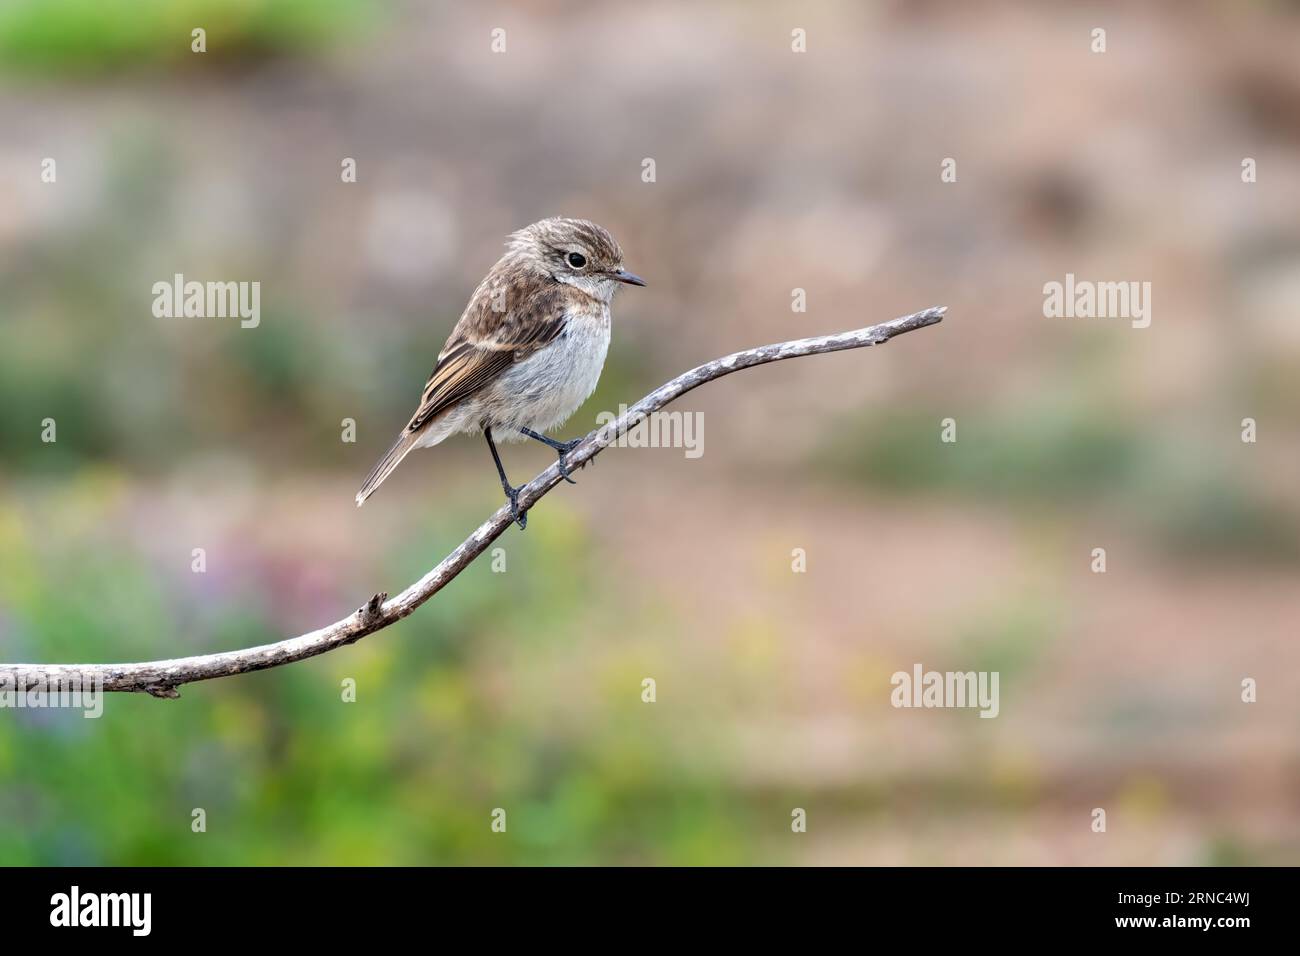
(520, 517)
(563, 449)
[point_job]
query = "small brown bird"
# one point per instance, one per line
(526, 352)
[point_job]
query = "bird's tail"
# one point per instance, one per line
(405, 442)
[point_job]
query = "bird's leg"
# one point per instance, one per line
(562, 448)
(512, 494)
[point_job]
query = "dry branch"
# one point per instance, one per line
(161, 678)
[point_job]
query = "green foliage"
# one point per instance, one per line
(468, 706)
(1041, 452)
(1173, 488)
(62, 35)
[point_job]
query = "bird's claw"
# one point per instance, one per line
(563, 450)
(520, 517)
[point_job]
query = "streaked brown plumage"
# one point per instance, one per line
(528, 349)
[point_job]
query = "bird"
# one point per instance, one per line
(527, 351)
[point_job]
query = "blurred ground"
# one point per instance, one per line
(774, 171)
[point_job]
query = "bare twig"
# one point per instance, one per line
(162, 678)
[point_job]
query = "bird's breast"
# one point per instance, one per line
(543, 390)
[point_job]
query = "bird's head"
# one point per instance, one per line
(577, 252)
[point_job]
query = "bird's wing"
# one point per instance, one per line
(485, 343)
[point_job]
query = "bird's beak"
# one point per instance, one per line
(631, 278)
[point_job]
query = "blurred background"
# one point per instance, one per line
(773, 171)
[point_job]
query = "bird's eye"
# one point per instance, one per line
(577, 260)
